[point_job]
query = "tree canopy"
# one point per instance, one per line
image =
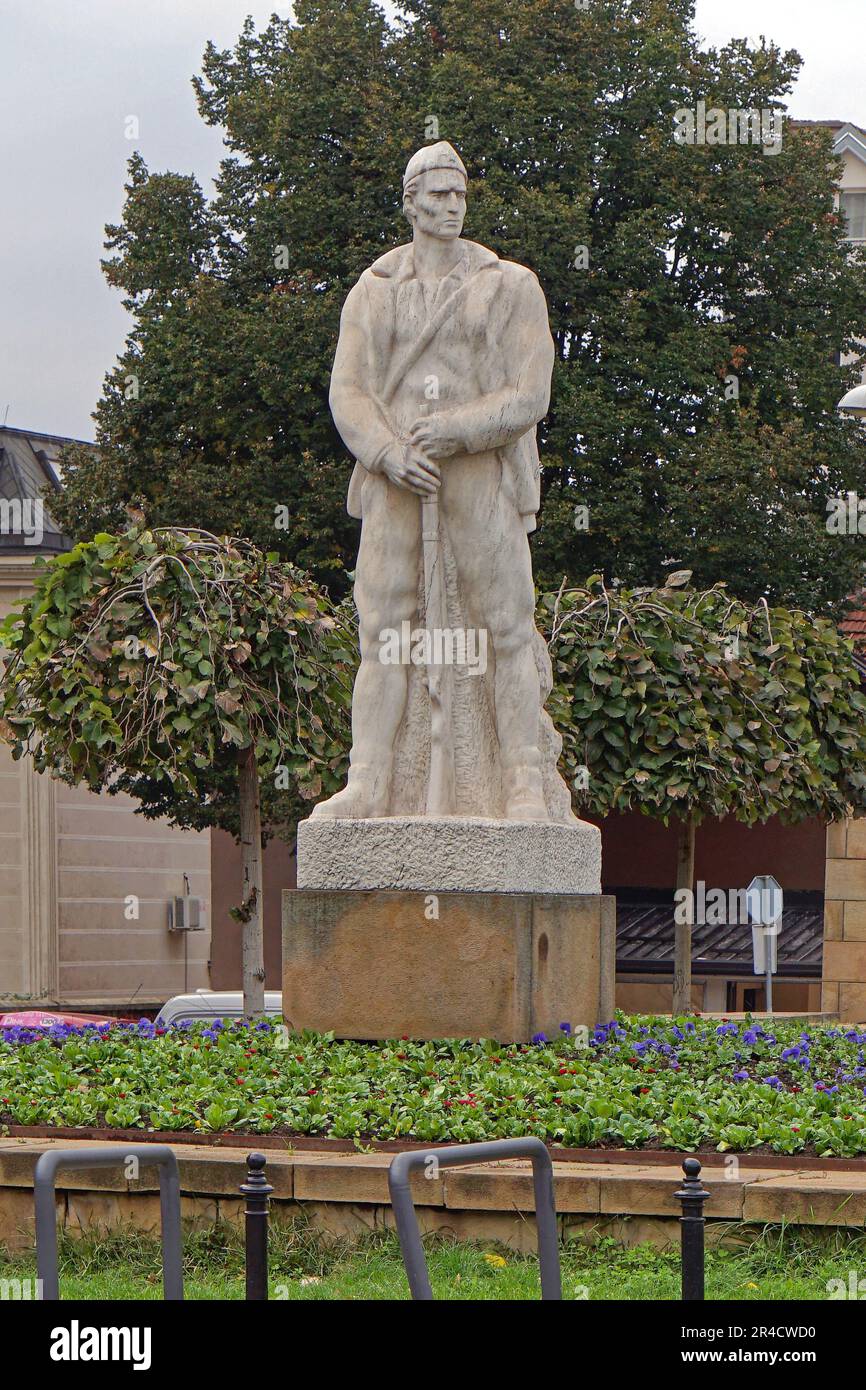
(146, 661)
(700, 295)
(689, 704)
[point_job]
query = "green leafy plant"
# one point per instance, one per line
(633, 1083)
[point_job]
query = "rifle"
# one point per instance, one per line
(441, 798)
(440, 786)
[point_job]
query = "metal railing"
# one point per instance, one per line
(256, 1190)
(459, 1156)
(691, 1195)
(44, 1179)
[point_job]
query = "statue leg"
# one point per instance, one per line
(494, 565)
(386, 595)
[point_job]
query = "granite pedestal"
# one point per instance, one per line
(471, 854)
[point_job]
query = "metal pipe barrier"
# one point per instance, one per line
(459, 1156)
(44, 1179)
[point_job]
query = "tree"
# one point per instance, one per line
(190, 671)
(699, 294)
(686, 704)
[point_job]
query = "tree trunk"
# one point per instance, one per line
(250, 912)
(682, 1001)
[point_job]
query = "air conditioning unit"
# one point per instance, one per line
(186, 914)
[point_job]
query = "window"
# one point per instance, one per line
(853, 207)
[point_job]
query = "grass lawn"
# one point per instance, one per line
(773, 1265)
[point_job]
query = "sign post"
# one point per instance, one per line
(765, 901)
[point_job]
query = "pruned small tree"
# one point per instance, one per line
(195, 673)
(685, 704)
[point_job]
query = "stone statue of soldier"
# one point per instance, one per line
(441, 375)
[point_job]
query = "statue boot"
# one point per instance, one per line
(523, 787)
(365, 794)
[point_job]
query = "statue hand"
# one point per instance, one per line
(412, 470)
(436, 436)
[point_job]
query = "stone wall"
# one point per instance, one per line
(346, 1195)
(844, 971)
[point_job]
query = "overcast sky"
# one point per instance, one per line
(75, 70)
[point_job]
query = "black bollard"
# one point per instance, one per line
(257, 1190)
(692, 1222)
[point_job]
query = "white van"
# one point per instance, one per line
(205, 1005)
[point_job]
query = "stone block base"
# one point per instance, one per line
(460, 854)
(444, 965)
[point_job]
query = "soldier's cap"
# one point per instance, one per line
(438, 156)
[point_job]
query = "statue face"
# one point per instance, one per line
(437, 205)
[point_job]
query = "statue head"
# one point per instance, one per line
(434, 191)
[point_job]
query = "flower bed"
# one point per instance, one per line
(635, 1082)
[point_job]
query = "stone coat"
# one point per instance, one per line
(486, 340)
